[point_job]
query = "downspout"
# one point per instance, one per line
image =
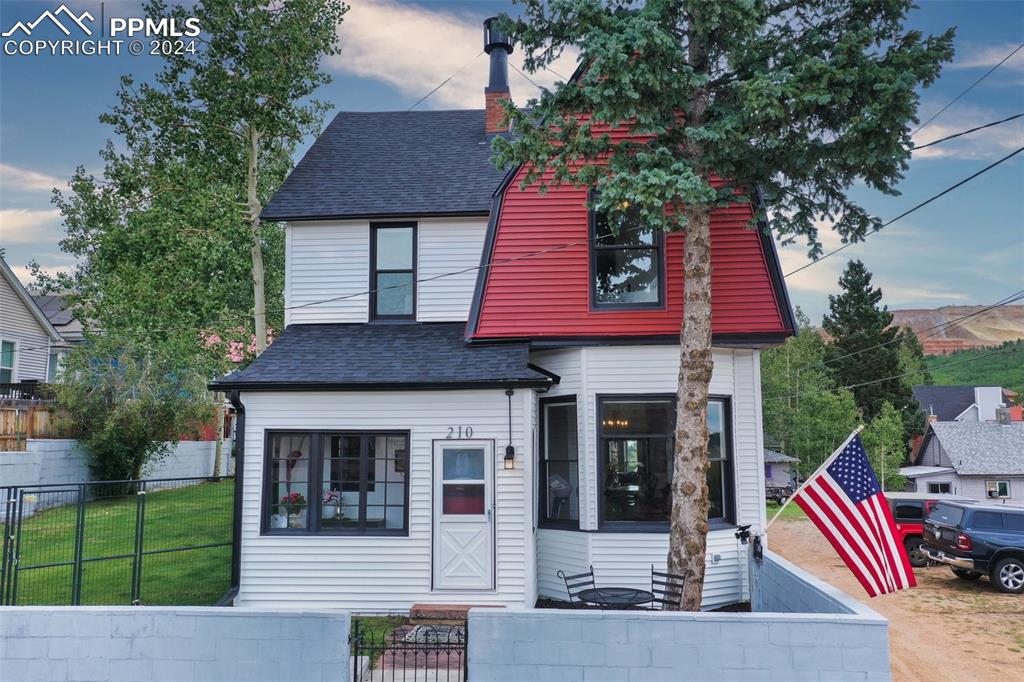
(238, 451)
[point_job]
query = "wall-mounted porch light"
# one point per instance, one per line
(510, 452)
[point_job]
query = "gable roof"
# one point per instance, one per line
(60, 316)
(774, 457)
(946, 402)
(979, 448)
(392, 163)
(384, 356)
(26, 299)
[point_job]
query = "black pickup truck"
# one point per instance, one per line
(977, 539)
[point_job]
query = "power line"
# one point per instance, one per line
(445, 81)
(909, 211)
(890, 378)
(966, 132)
(968, 89)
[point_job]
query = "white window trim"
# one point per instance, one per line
(989, 487)
(17, 348)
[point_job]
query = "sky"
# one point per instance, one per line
(965, 248)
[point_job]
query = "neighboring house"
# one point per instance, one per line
(26, 336)
(961, 403)
(66, 324)
(980, 460)
(468, 397)
(779, 470)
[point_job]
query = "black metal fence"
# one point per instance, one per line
(155, 541)
(433, 652)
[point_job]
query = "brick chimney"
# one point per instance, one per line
(498, 47)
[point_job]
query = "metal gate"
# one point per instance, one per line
(156, 541)
(427, 652)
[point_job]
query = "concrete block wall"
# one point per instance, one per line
(778, 586)
(61, 644)
(519, 645)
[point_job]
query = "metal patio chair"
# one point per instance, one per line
(574, 584)
(667, 589)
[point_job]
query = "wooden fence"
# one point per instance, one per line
(21, 420)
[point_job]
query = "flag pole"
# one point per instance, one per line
(810, 478)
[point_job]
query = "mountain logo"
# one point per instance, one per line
(52, 16)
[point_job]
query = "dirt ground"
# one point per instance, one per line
(945, 629)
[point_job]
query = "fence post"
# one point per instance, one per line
(76, 574)
(6, 562)
(140, 523)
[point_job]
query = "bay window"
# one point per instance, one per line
(559, 463)
(347, 483)
(636, 450)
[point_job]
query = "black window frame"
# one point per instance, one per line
(947, 491)
(657, 244)
(727, 520)
(542, 495)
(314, 499)
(375, 227)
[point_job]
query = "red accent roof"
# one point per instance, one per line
(548, 296)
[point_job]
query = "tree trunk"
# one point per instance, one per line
(253, 210)
(689, 521)
(218, 453)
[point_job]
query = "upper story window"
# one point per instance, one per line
(625, 262)
(7, 351)
(636, 450)
(393, 270)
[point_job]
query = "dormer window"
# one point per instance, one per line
(393, 270)
(625, 262)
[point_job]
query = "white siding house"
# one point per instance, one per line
(26, 336)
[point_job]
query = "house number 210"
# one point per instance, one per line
(460, 432)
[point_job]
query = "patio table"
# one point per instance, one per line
(615, 597)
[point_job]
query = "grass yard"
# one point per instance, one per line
(185, 517)
(792, 511)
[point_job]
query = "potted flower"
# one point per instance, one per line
(332, 504)
(295, 504)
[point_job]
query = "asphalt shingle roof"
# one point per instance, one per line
(774, 457)
(982, 447)
(383, 356)
(947, 402)
(408, 163)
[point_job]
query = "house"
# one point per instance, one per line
(980, 460)
(961, 403)
(780, 470)
(64, 321)
(26, 338)
(468, 395)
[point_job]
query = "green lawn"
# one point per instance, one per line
(186, 517)
(792, 511)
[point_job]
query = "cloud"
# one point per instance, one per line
(414, 49)
(14, 177)
(987, 56)
(26, 225)
(25, 275)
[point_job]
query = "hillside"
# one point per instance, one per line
(990, 328)
(1005, 369)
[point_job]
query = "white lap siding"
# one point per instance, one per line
(386, 573)
(32, 343)
(327, 269)
(626, 558)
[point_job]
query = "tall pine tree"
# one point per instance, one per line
(864, 349)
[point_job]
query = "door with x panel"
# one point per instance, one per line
(463, 515)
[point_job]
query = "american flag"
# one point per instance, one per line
(845, 502)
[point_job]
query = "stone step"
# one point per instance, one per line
(433, 613)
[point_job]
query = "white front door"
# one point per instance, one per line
(463, 515)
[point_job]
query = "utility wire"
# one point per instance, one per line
(890, 378)
(968, 89)
(965, 132)
(909, 211)
(445, 81)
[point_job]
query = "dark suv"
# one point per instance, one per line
(978, 539)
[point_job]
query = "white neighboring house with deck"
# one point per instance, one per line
(979, 460)
(451, 417)
(26, 336)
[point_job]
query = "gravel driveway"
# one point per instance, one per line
(945, 629)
